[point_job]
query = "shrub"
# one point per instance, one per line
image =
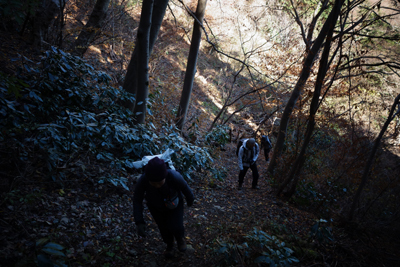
(260, 248)
(219, 136)
(61, 111)
(321, 232)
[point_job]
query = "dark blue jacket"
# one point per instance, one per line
(174, 184)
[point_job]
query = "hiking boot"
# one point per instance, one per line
(181, 245)
(255, 187)
(240, 187)
(169, 251)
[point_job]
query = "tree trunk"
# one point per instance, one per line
(369, 163)
(92, 27)
(323, 67)
(191, 65)
(305, 73)
(44, 15)
(143, 44)
(130, 83)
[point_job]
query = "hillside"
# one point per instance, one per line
(93, 220)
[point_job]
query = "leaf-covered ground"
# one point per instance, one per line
(94, 223)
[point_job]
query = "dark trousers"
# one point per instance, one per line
(243, 172)
(266, 153)
(169, 222)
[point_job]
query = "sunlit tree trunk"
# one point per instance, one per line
(191, 65)
(369, 163)
(304, 75)
(130, 83)
(92, 27)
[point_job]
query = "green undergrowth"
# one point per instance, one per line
(57, 114)
(273, 245)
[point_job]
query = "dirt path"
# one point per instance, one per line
(223, 213)
(95, 224)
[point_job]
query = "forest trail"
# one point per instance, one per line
(226, 213)
(94, 221)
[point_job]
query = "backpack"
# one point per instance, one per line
(265, 142)
(239, 144)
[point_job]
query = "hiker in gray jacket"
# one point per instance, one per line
(247, 157)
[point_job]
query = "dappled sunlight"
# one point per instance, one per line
(95, 50)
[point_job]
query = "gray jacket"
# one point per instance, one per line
(246, 156)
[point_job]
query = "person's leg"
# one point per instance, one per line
(255, 175)
(266, 153)
(175, 221)
(160, 216)
(175, 224)
(242, 174)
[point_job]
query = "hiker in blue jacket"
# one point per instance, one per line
(163, 190)
(266, 144)
(247, 157)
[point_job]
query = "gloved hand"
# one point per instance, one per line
(141, 229)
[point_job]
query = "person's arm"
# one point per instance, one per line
(182, 186)
(138, 197)
(269, 144)
(240, 158)
(256, 152)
